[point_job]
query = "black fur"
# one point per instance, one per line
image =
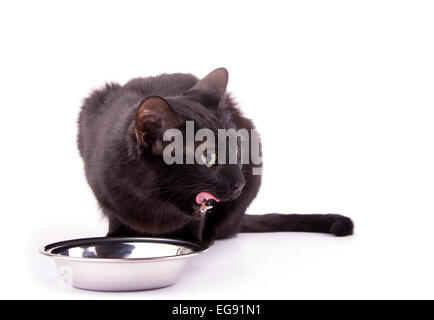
(143, 196)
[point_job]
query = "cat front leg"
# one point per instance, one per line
(146, 217)
(223, 221)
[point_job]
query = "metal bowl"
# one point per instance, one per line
(121, 264)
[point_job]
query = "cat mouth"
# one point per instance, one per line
(205, 200)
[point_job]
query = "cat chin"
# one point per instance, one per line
(198, 214)
(200, 210)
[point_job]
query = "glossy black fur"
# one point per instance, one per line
(143, 196)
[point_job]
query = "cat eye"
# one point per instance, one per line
(209, 160)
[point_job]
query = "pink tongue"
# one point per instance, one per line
(204, 196)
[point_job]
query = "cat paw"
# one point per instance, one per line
(342, 227)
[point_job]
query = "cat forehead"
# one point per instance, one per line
(203, 117)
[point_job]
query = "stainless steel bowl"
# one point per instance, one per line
(121, 264)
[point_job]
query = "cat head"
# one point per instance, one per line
(205, 105)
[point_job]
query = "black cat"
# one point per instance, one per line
(121, 141)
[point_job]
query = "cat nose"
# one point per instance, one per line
(237, 186)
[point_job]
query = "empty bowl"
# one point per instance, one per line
(121, 264)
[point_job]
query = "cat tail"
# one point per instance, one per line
(322, 223)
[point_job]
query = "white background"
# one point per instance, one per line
(341, 91)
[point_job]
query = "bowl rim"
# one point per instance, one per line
(47, 250)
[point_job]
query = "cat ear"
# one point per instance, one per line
(211, 90)
(153, 117)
